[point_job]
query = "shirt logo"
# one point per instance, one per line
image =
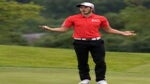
(95, 20)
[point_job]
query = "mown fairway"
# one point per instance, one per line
(34, 65)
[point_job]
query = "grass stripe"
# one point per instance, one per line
(35, 65)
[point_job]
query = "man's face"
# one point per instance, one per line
(85, 10)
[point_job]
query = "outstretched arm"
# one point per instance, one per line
(115, 31)
(60, 29)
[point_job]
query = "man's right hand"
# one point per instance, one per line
(59, 29)
(45, 27)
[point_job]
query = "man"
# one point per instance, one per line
(87, 38)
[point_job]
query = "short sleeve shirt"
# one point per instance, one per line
(86, 27)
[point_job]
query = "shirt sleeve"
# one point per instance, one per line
(105, 23)
(68, 23)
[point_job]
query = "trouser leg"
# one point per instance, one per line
(82, 57)
(98, 53)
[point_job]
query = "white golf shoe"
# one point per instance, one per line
(102, 82)
(86, 81)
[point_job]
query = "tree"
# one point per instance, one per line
(137, 18)
(23, 1)
(12, 14)
(115, 20)
(134, 17)
(106, 6)
(144, 3)
(55, 39)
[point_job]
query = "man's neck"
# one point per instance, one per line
(87, 15)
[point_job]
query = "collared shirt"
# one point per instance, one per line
(86, 27)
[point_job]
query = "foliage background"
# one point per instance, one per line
(23, 17)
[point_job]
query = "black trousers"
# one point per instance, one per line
(97, 50)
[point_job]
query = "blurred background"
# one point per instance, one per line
(20, 21)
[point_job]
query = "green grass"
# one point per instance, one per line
(34, 65)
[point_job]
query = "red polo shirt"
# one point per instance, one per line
(86, 27)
